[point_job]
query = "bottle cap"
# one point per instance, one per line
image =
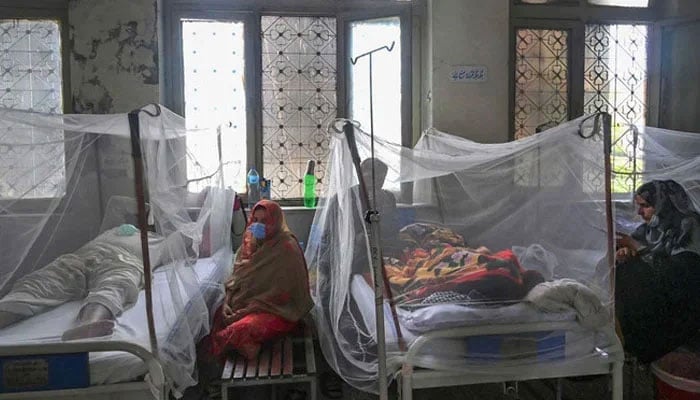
(310, 167)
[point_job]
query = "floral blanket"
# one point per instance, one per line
(448, 266)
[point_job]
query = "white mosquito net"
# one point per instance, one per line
(481, 236)
(62, 250)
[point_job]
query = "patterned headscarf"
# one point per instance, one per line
(674, 217)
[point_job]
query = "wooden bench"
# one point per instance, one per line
(284, 361)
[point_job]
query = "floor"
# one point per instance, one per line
(638, 386)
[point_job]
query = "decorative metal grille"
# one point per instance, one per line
(298, 99)
(32, 162)
(615, 82)
(213, 58)
(541, 79)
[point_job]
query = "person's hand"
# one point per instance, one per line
(626, 241)
(227, 312)
(236, 315)
(624, 254)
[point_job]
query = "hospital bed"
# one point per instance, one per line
(122, 366)
(452, 344)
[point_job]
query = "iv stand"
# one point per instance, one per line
(372, 220)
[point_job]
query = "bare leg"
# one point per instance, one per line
(93, 312)
(94, 320)
(7, 318)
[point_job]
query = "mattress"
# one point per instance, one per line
(131, 326)
(460, 352)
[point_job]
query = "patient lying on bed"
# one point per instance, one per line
(107, 273)
(437, 265)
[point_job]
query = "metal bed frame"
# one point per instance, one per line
(155, 384)
(410, 378)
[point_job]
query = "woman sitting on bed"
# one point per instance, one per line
(268, 291)
(658, 273)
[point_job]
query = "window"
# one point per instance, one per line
(563, 69)
(32, 163)
(205, 63)
(386, 66)
(276, 81)
(615, 82)
(298, 98)
(541, 79)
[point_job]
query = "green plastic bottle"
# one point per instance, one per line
(310, 185)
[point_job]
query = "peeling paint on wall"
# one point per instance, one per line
(114, 69)
(115, 55)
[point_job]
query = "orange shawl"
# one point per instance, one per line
(270, 275)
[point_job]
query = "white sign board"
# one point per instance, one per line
(469, 73)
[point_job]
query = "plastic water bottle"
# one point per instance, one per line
(310, 185)
(253, 187)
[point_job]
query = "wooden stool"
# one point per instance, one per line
(286, 360)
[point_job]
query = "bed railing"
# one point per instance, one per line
(156, 375)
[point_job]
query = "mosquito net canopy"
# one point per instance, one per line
(71, 256)
(486, 238)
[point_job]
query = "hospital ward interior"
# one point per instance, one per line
(350, 199)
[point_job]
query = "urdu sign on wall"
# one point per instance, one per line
(469, 73)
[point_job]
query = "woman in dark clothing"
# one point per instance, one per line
(658, 273)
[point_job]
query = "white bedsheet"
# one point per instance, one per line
(442, 316)
(131, 326)
(452, 353)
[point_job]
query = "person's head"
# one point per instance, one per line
(380, 171)
(663, 199)
(266, 220)
(645, 199)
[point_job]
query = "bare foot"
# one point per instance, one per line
(249, 351)
(93, 312)
(89, 330)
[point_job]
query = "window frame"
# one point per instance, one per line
(56, 10)
(250, 12)
(575, 17)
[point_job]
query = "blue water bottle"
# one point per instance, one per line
(253, 187)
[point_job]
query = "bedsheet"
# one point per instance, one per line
(460, 352)
(115, 367)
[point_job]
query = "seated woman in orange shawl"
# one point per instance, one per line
(268, 291)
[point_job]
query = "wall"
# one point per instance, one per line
(468, 32)
(114, 69)
(680, 101)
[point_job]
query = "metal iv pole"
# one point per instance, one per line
(372, 220)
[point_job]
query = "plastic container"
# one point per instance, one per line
(672, 376)
(310, 185)
(253, 187)
(265, 189)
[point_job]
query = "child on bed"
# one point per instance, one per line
(268, 291)
(107, 273)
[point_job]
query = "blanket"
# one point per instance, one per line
(481, 277)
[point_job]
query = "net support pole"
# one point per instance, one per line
(137, 156)
(607, 144)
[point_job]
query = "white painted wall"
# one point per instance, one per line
(468, 32)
